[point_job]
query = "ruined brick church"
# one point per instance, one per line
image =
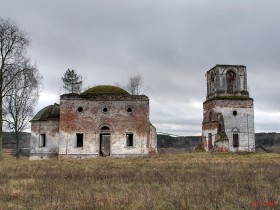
(102, 121)
(108, 121)
(228, 112)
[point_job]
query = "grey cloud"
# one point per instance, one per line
(171, 43)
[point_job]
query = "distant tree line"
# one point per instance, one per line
(267, 139)
(165, 141)
(10, 143)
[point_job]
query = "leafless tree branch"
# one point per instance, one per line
(19, 79)
(135, 83)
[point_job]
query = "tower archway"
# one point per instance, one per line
(231, 81)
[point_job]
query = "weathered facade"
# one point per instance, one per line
(102, 121)
(228, 112)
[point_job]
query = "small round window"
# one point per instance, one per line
(105, 109)
(129, 109)
(234, 113)
(80, 109)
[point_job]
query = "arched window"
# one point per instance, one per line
(231, 80)
(210, 117)
(235, 137)
(105, 128)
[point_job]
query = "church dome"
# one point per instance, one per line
(48, 113)
(105, 90)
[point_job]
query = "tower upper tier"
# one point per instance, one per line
(227, 81)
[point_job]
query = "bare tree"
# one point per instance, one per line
(135, 83)
(72, 81)
(13, 60)
(18, 104)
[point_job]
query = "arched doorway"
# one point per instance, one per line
(105, 141)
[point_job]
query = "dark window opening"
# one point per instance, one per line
(210, 116)
(105, 109)
(80, 139)
(234, 113)
(129, 109)
(80, 109)
(210, 146)
(129, 140)
(235, 140)
(42, 140)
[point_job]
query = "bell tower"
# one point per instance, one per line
(228, 111)
(227, 80)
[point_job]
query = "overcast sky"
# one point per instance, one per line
(172, 43)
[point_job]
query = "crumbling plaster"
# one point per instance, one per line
(117, 118)
(51, 130)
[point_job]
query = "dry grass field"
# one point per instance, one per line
(168, 181)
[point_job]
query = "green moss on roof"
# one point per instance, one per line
(105, 90)
(229, 98)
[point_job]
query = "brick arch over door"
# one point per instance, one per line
(105, 127)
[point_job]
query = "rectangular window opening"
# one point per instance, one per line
(235, 140)
(129, 140)
(42, 142)
(210, 146)
(80, 139)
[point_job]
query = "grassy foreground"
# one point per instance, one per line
(177, 181)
